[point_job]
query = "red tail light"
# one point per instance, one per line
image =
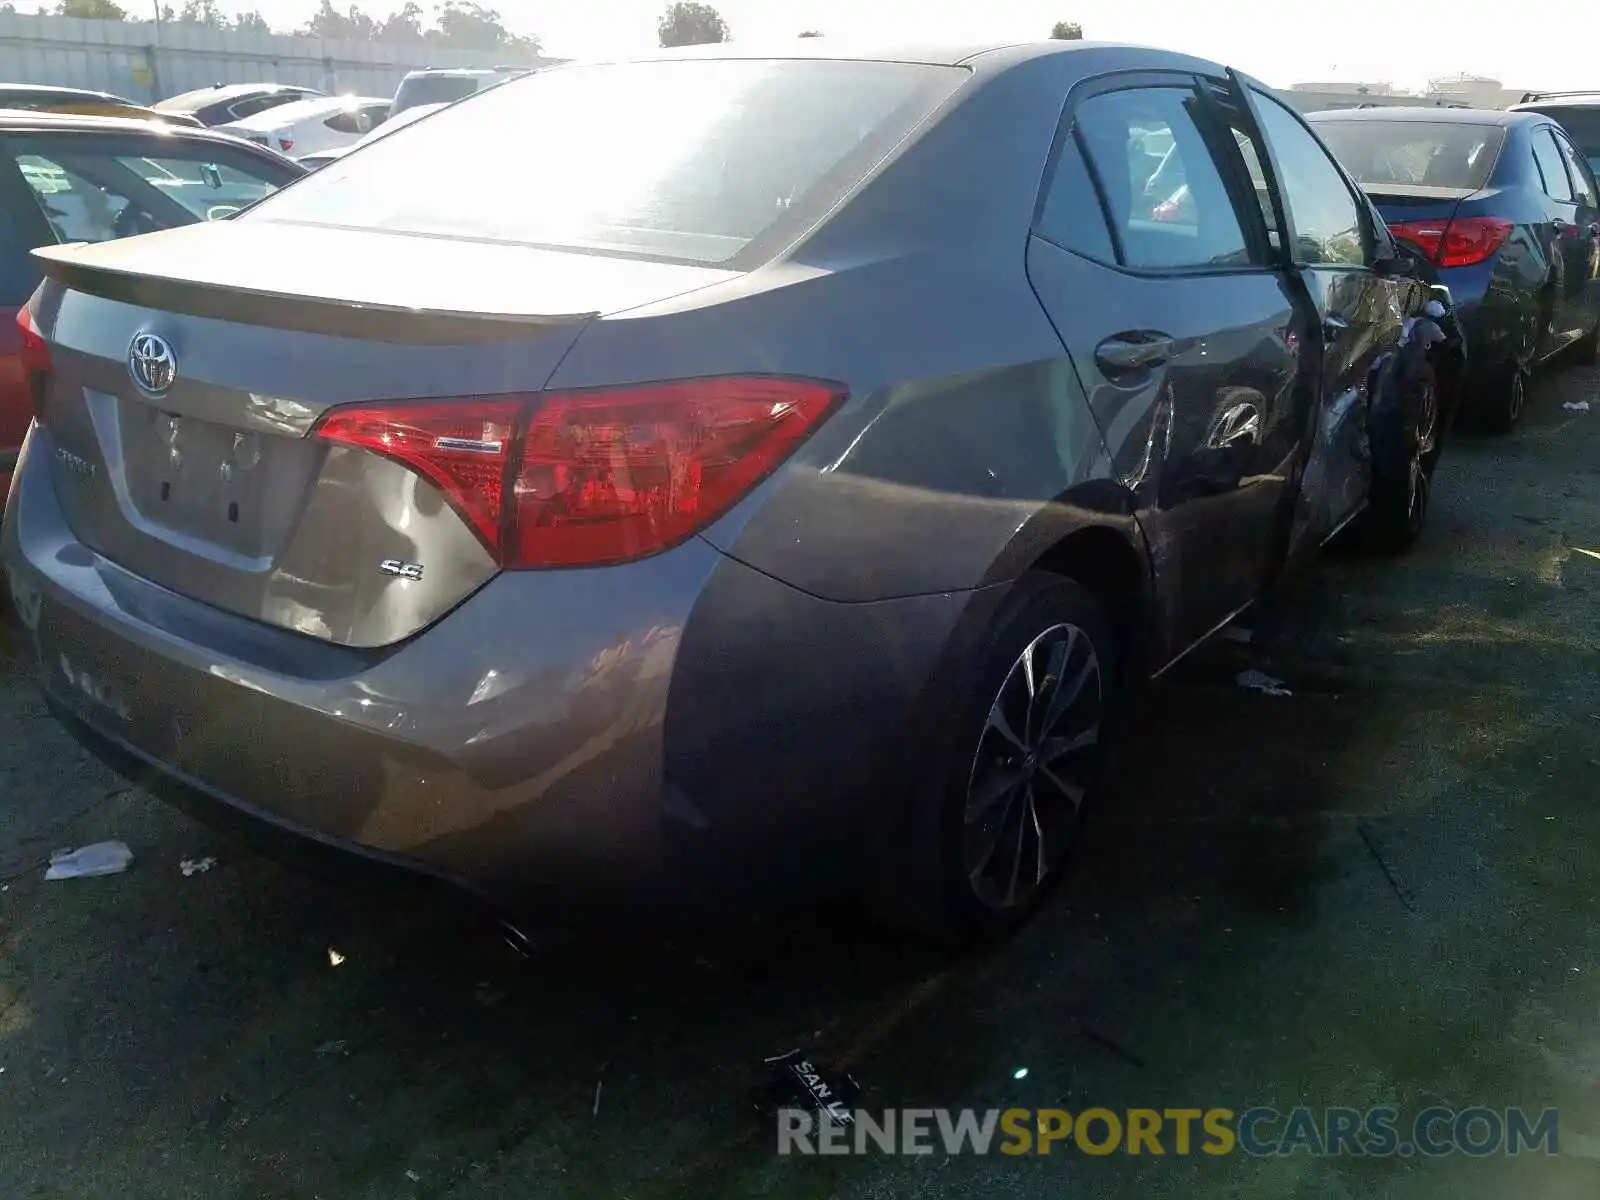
(35, 351)
(1462, 242)
(575, 479)
(286, 143)
(35, 357)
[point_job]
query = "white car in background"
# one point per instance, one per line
(322, 158)
(312, 126)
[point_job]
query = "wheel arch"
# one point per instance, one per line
(1115, 569)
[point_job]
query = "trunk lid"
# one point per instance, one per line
(214, 488)
(1414, 202)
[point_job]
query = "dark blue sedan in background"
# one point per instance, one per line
(1508, 210)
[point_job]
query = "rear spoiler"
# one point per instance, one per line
(306, 314)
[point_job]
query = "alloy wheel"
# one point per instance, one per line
(1427, 437)
(1518, 397)
(1032, 767)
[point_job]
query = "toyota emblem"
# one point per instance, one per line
(151, 363)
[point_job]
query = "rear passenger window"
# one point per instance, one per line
(1071, 215)
(1551, 167)
(1578, 171)
(354, 121)
(256, 104)
(1166, 198)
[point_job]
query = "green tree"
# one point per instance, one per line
(465, 25)
(251, 22)
(402, 26)
(1067, 31)
(328, 22)
(94, 10)
(202, 12)
(690, 23)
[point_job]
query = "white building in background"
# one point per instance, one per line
(1451, 91)
(1479, 91)
(1322, 95)
(1344, 87)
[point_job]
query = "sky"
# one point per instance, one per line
(1282, 44)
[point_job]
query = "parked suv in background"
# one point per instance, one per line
(1577, 112)
(88, 179)
(445, 85)
(222, 103)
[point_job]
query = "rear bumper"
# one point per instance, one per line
(1498, 320)
(679, 733)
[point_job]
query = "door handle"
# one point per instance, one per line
(1124, 353)
(1334, 324)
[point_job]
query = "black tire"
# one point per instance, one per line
(1405, 440)
(1503, 400)
(930, 886)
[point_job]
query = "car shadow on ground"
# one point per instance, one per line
(256, 1032)
(232, 1015)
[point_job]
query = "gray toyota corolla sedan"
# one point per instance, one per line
(754, 478)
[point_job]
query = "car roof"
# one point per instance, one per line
(26, 120)
(465, 72)
(1559, 100)
(949, 54)
(1437, 116)
(980, 56)
(217, 93)
(59, 93)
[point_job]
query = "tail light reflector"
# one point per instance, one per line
(573, 479)
(35, 356)
(1463, 242)
(35, 351)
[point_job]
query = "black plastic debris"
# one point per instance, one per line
(799, 1082)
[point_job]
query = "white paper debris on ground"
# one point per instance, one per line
(196, 866)
(97, 858)
(334, 957)
(414, 1177)
(1576, 406)
(1260, 682)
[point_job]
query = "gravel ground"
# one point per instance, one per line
(1379, 890)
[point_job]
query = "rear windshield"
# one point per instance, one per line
(432, 89)
(680, 160)
(1583, 124)
(1415, 153)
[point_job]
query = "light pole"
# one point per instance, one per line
(155, 54)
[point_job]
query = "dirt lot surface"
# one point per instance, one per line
(1379, 890)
